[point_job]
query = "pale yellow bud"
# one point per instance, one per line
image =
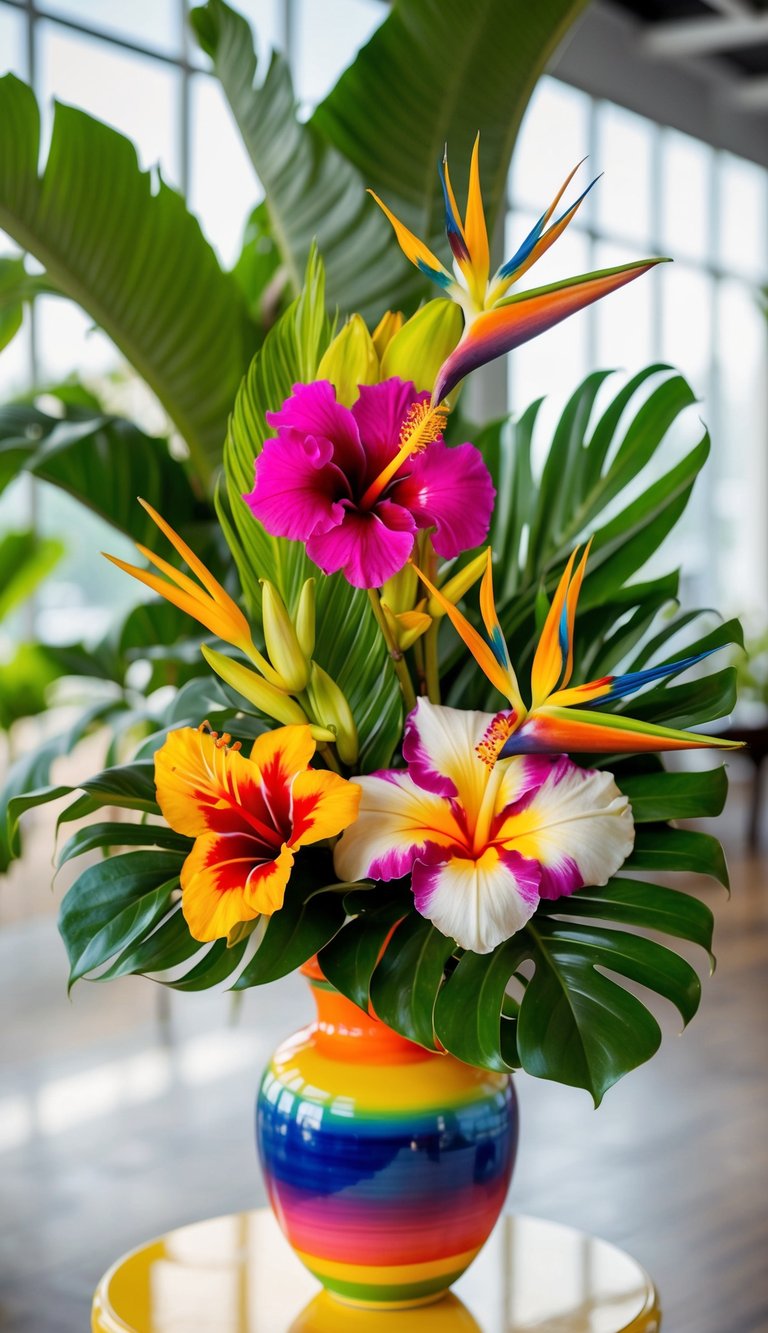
(460, 584)
(406, 626)
(402, 590)
(350, 360)
(330, 708)
(285, 653)
(390, 323)
(267, 698)
(423, 343)
(305, 618)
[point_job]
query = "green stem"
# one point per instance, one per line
(329, 757)
(397, 659)
(431, 663)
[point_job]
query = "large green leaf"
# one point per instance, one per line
(25, 560)
(437, 71)
(312, 192)
(612, 459)
(104, 462)
(113, 904)
(123, 246)
(349, 645)
(17, 288)
(483, 58)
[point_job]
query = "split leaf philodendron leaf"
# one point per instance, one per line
(572, 1024)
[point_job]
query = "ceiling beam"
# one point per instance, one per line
(678, 38)
(750, 94)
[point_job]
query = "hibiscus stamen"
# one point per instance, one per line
(495, 738)
(422, 426)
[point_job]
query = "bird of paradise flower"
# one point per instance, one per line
(560, 717)
(494, 321)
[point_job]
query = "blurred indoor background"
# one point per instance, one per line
(128, 1111)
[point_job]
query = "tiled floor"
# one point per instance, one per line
(119, 1120)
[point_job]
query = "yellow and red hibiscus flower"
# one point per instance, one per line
(483, 844)
(248, 815)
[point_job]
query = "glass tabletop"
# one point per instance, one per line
(238, 1275)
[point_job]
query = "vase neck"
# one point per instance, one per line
(344, 1032)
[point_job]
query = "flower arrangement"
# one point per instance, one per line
(367, 779)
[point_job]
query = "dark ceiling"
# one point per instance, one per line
(740, 52)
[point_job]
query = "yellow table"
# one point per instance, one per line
(238, 1275)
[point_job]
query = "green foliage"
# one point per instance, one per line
(17, 288)
(24, 683)
(484, 58)
(124, 247)
(450, 70)
(348, 645)
(591, 465)
(25, 560)
(71, 453)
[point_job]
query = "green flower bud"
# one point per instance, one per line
(330, 709)
(305, 618)
(350, 360)
(460, 584)
(267, 698)
(285, 652)
(418, 351)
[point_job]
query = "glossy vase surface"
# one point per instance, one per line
(386, 1165)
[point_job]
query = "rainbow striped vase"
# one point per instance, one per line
(386, 1165)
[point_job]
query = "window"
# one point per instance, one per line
(662, 193)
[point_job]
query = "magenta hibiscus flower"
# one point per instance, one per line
(356, 484)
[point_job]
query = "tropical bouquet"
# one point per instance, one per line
(412, 755)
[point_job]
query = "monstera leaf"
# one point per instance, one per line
(607, 478)
(124, 247)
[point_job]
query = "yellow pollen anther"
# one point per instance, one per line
(495, 738)
(422, 426)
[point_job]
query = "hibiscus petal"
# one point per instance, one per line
(223, 884)
(478, 903)
(577, 825)
(298, 486)
(439, 749)
(450, 490)
(312, 409)
(323, 805)
(369, 547)
(379, 414)
(396, 823)
(202, 788)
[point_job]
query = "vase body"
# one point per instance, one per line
(386, 1165)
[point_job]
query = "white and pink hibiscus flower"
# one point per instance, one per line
(357, 484)
(483, 843)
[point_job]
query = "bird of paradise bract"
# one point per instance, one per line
(561, 717)
(495, 322)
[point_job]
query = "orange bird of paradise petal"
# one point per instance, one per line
(494, 322)
(560, 717)
(248, 816)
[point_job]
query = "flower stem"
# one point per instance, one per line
(398, 661)
(431, 663)
(329, 757)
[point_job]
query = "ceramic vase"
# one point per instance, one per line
(386, 1165)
